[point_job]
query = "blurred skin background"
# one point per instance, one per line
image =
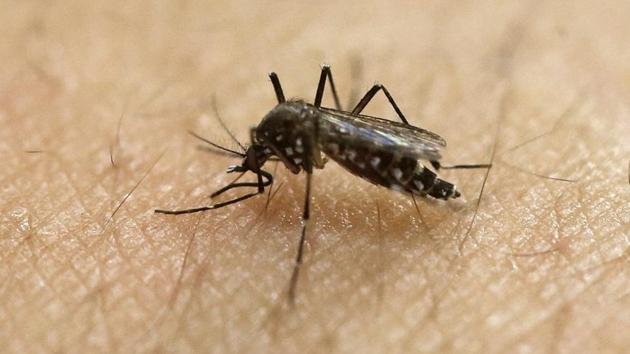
(95, 101)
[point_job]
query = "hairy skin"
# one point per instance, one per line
(95, 101)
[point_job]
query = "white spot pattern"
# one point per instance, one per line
(396, 188)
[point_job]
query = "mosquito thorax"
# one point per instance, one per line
(286, 132)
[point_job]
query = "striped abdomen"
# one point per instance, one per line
(397, 172)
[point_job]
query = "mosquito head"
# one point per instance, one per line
(255, 157)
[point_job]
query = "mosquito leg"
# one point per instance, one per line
(319, 95)
(298, 259)
(277, 87)
(261, 189)
(471, 166)
(437, 166)
(364, 102)
(209, 207)
(232, 186)
(234, 181)
(370, 94)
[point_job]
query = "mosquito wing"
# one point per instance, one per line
(366, 130)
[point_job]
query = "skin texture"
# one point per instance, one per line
(95, 101)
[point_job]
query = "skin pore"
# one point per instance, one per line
(95, 103)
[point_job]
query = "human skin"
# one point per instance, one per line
(95, 102)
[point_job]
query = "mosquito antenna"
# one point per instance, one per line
(216, 145)
(218, 116)
(215, 151)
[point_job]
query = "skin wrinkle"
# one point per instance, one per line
(554, 247)
(100, 299)
(528, 325)
(205, 265)
(29, 242)
(555, 216)
(76, 189)
(592, 246)
(176, 289)
(47, 247)
(531, 328)
(232, 278)
(256, 221)
(420, 323)
(16, 175)
(582, 291)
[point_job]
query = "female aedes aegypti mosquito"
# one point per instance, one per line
(302, 135)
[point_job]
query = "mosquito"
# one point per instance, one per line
(303, 136)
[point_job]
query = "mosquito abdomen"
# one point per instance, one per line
(394, 171)
(426, 181)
